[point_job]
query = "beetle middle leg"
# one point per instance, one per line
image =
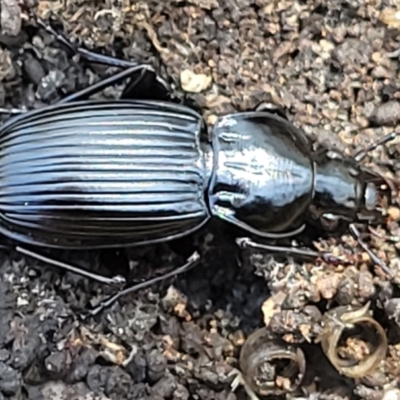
(192, 261)
(292, 251)
(117, 281)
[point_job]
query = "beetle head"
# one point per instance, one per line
(345, 192)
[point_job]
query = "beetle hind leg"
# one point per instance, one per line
(87, 55)
(136, 74)
(144, 83)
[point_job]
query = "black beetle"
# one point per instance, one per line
(87, 174)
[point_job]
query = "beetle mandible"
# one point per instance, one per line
(87, 174)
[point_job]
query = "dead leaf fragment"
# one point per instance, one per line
(111, 351)
(328, 285)
(272, 306)
(194, 83)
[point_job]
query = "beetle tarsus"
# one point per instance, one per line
(291, 251)
(374, 258)
(192, 261)
(114, 281)
(86, 54)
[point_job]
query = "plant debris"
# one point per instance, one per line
(194, 83)
(333, 68)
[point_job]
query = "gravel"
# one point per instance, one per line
(332, 67)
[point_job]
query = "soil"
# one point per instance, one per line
(333, 67)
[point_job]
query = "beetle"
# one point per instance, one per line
(92, 174)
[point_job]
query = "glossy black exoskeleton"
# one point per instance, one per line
(86, 174)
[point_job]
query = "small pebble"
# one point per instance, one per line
(391, 394)
(386, 114)
(194, 83)
(10, 17)
(10, 380)
(118, 383)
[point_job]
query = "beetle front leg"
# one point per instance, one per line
(329, 258)
(374, 258)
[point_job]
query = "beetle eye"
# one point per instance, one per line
(329, 221)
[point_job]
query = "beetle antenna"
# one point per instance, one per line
(360, 155)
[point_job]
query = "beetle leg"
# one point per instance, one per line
(360, 155)
(115, 281)
(292, 251)
(191, 262)
(144, 84)
(113, 80)
(88, 55)
(225, 214)
(390, 238)
(12, 111)
(374, 258)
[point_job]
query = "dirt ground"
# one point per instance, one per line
(333, 66)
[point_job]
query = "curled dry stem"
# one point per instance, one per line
(269, 367)
(345, 318)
